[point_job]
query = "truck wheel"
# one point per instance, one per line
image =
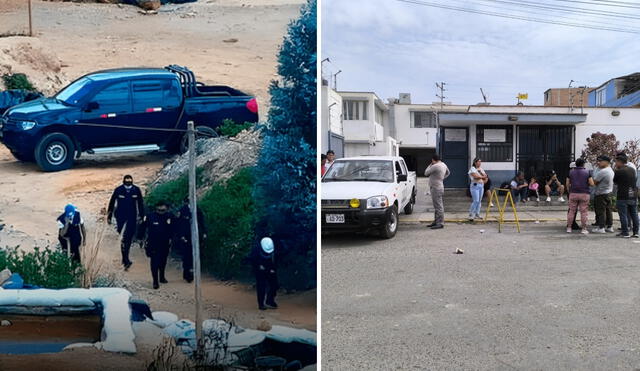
(55, 152)
(408, 209)
(206, 131)
(21, 157)
(391, 226)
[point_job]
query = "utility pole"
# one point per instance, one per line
(335, 80)
(30, 23)
(441, 96)
(195, 236)
(582, 90)
(570, 96)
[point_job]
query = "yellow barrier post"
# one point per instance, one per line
(502, 207)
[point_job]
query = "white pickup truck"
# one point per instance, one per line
(367, 193)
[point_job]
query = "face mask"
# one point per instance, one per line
(161, 211)
(128, 186)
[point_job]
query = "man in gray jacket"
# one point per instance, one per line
(437, 172)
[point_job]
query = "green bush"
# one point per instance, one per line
(42, 267)
(229, 211)
(17, 81)
(230, 128)
(172, 192)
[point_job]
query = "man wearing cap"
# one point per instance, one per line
(127, 206)
(71, 232)
(603, 179)
(262, 259)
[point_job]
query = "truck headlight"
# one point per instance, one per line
(377, 202)
(26, 125)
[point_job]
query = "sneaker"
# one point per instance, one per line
(609, 230)
(491, 204)
(538, 199)
(585, 231)
(431, 225)
(635, 235)
(569, 230)
(561, 199)
(471, 217)
(437, 226)
(623, 235)
(163, 280)
(598, 230)
(478, 216)
(548, 199)
(156, 286)
(127, 266)
(262, 307)
(272, 305)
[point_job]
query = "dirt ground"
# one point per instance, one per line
(225, 42)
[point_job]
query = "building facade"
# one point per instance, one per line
(567, 97)
(622, 91)
(332, 129)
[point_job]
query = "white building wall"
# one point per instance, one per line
(331, 116)
(626, 126)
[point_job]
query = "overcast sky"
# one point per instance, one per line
(388, 47)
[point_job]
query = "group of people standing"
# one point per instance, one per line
(160, 231)
(580, 185)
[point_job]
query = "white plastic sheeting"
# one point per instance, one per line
(163, 319)
(118, 334)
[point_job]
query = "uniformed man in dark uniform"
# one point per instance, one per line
(71, 232)
(183, 238)
(263, 260)
(159, 229)
(128, 207)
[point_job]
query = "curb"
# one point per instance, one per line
(487, 221)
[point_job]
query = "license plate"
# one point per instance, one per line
(334, 218)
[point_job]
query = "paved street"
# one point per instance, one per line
(538, 300)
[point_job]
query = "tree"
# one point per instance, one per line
(600, 144)
(631, 148)
(285, 188)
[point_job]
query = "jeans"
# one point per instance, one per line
(604, 213)
(438, 205)
(522, 192)
(578, 201)
(628, 211)
(477, 191)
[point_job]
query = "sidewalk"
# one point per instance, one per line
(456, 209)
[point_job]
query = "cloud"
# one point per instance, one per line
(389, 47)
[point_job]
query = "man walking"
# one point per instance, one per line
(159, 230)
(627, 197)
(263, 261)
(603, 179)
(437, 172)
(127, 205)
(71, 232)
(183, 238)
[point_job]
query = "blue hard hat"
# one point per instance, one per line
(70, 210)
(267, 245)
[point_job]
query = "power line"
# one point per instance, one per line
(563, 8)
(510, 16)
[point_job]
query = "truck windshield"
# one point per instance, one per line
(360, 171)
(72, 93)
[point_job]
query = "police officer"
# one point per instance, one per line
(71, 231)
(127, 205)
(158, 227)
(183, 238)
(263, 260)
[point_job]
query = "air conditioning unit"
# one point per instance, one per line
(405, 98)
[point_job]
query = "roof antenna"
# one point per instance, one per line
(484, 97)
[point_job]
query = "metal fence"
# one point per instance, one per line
(14, 17)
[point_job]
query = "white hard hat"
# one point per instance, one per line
(572, 165)
(267, 245)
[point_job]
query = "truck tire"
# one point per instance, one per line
(408, 209)
(206, 131)
(391, 225)
(55, 152)
(22, 157)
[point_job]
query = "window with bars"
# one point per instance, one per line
(494, 143)
(423, 119)
(355, 109)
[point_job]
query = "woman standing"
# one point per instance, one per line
(578, 185)
(478, 177)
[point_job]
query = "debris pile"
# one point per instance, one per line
(220, 158)
(31, 57)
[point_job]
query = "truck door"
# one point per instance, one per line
(156, 105)
(110, 106)
(402, 186)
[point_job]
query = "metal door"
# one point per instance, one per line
(542, 149)
(454, 149)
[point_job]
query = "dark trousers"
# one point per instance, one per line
(127, 229)
(628, 211)
(73, 245)
(266, 285)
(522, 192)
(187, 261)
(604, 211)
(158, 264)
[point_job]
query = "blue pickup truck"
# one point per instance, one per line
(120, 110)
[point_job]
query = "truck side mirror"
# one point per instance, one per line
(402, 178)
(91, 106)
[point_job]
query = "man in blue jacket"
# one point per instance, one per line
(128, 207)
(183, 237)
(263, 261)
(159, 229)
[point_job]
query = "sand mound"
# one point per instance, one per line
(29, 56)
